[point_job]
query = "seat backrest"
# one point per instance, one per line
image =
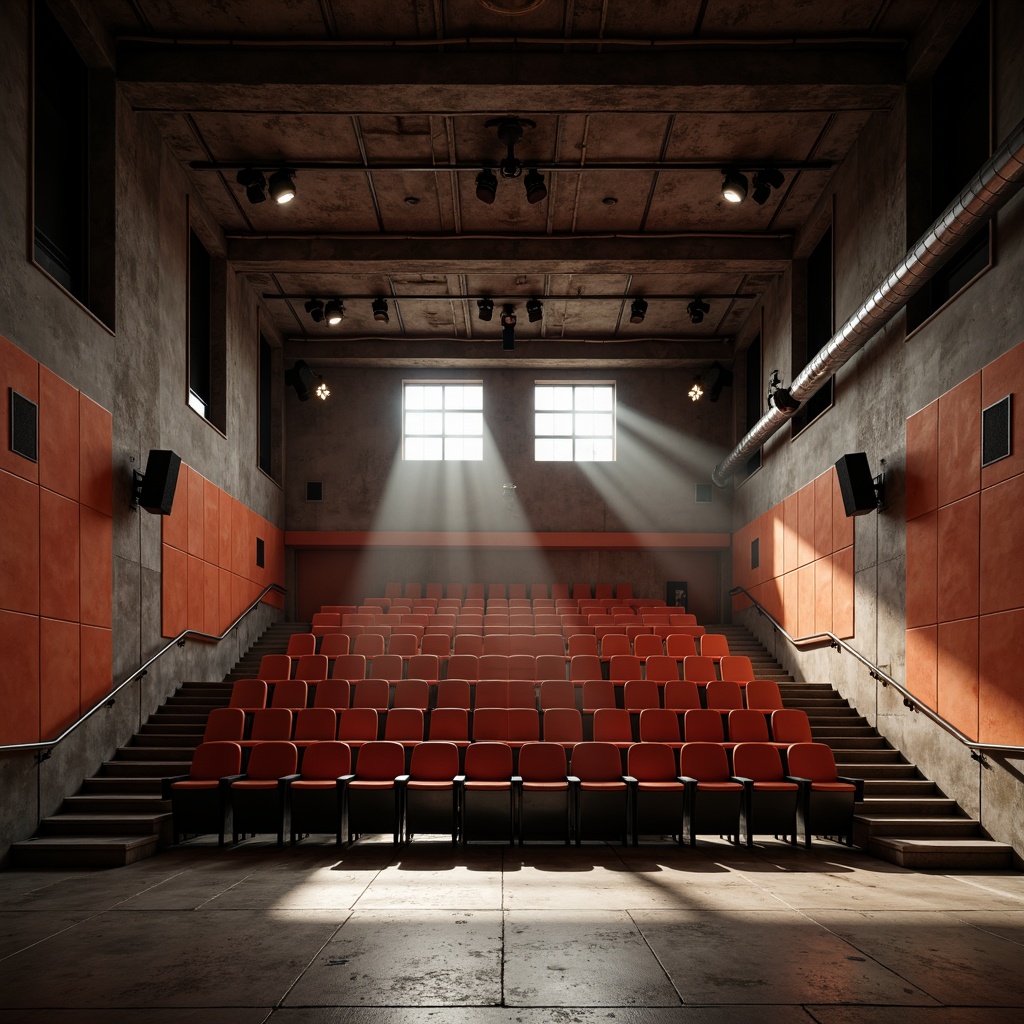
(612, 725)
(334, 644)
(468, 643)
(423, 666)
(248, 694)
(290, 693)
(437, 645)
(747, 726)
(412, 590)
(651, 762)
(552, 644)
(453, 693)
(736, 667)
(349, 666)
(598, 693)
(271, 724)
(358, 724)
(490, 724)
(681, 695)
(403, 645)
(582, 643)
(369, 644)
(523, 724)
(638, 694)
(488, 762)
(305, 643)
(274, 667)
(699, 669)
(758, 761)
(724, 695)
(333, 693)
(449, 724)
(705, 762)
(387, 666)
(763, 694)
(371, 693)
(328, 760)
(557, 693)
(272, 760)
(596, 762)
(215, 759)
(563, 725)
(560, 591)
(411, 693)
(658, 726)
(434, 590)
(714, 645)
(434, 761)
(661, 667)
(380, 760)
(316, 724)
(224, 724)
(680, 645)
(321, 619)
(463, 666)
(615, 643)
(703, 725)
(682, 618)
(455, 590)
(542, 762)
(646, 645)
(493, 666)
(812, 761)
(404, 724)
(522, 693)
(584, 666)
(491, 693)
(550, 666)
(311, 667)
(522, 666)
(791, 725)
(625, 666)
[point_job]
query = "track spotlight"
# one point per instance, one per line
(508, 328)
(485, 309)
(534, 310)
(637, 311)
(734, 185)
(315, 309)
(254, 183)
(536, 190)
(696, 310)
(334, 312)
(715, 378)
(282, 186)
(323, 392)
(696, 392)
(764, 181)
(486, 186)
(380, 310)
(303, 379)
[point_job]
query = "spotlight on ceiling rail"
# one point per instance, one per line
(534, 310)
(254, 183)
(536, 190)
(304, 380)
(508, 328)
(637, 311)
(380, 310)
(696, 310)
(334, 312)
(764, 181)
(486, 186)
(315, 309)
(510, 131)
(485, 309)
(716, 377)
(282, 186)
(734, 185)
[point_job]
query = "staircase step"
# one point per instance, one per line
(115, 803)
(857, 743)
(123, 784)
(902, 806)
(892, 771)
(162, 753)
(146, 769)
(875, 787)
(947, 854)
(914, 827)
(114, 851)
(164, 741)
(850, 756)
(103, 824)
(172, 728)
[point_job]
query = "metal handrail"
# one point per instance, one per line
(912, 702)
(46, 746)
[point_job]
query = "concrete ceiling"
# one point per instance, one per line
(380, 108)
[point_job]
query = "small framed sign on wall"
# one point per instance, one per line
(676, 593)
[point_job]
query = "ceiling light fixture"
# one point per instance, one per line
(734, 185)
(485, 309)
(510, 131)
(508, 328)
(303, 379)
(696, 309)
(637, 311)
(380, 310)
(534, 310)
(764, 181)
(334, 312)
(696, 392)
(323, 392)
(315, 309)
(282, 186)
(486, 186)
(716, 377)
(536, 190)
(254, 183)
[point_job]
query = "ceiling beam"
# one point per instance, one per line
(697, 253)
(728, 77)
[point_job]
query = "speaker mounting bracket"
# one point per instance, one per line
(137, 479)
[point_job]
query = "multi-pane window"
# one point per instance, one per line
(574, 422)
(443, 422)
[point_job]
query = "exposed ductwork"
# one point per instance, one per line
(993, 186)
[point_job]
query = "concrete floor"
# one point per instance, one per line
(430, 933)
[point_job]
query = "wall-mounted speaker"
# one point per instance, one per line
(857, 484)
(156, 492)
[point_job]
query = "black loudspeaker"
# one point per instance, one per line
(857, 484)
(156, 493)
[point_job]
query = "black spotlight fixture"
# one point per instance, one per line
(380, 310)
(315, 309)
(534, 310)
(485, 309)
(716, 377)
(637, 311)
(282, 186)
(536, 190)
(486, 186)
(303, 379)
(254, 183)
(334, 312)
(764, 181)
(696, 310)
(734, 185)
(508, 328)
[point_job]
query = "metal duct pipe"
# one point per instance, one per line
(990, 189)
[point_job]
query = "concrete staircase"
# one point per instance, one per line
(117, 817)
(904, 818)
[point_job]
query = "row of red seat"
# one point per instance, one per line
(509, 591)
(484, 797)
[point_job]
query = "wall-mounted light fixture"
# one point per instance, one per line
(510, 131)
(282, 186)
(637, 311)
(508, 328)
(696, 392)
(380, 310)
(534, 310)
(734, 185)
(711, 383)
(254, 183)
(485, 309)
(696, 310)
(764, 181)
(306, 382)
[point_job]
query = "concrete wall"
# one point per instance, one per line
(139, 374)
(890, 379)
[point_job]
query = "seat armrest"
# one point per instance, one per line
(629, 780)
(742, 779)
(401, 780)
(798, 779)
(687, 780)
(165, 785)
(225, 781)
(858, 785)
(573, 780)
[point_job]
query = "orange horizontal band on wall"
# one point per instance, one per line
(536, 541)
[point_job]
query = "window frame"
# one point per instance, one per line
(214, 411)
(804, 416)
(574, 437)
(444, 436)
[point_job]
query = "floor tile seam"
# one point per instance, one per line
(51, 935)
(504, 914)
(237, 882)
(986, 888)
(299, 975)
(658, 960)
(989, 931)
(395, 853)
(149, 888)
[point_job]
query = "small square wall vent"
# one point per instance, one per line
(314, 490)
(260, 552)
(702, 494)
(24, 427)
(996, 424)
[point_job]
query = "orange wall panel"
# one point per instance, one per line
(19, 544)
(211, 523)
(59, 431)
(196, 592)
(842, 594)
(842, 524)
(95, 446)
(778, 528)
(923, 461)
(174, 528)
(239, 544)
(97, 583)
(922, 652)
(228, 612)
(60, 677)
(239, 594)
(174, 580)
(957, 674)
(211, 599)
(1002, 546)
(97, 665)
(224, 531)
(1005, 376)
(1000, 695)
(805, 525)
(823, 515)
(196, 512)
(59, 564)
(805, 599)
(960, 441)
(772, 591)
(791, 555)
(922, 570)
(823, 595)
(19, 371)
(957, 560)
(19, 640)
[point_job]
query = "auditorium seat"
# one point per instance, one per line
(371, 693)
(682, 619)
(468, 644)
(699, 669)
(681, 695)
(647, 644)
(437, 645)
(374, 792)
(259, 799)
(613, 725)
(602, 795)
(763, 694)
(369, 644)
(311, 667)
(713, 797)
(199, 804)
(624, 666)
(703, 726)
(661, 668)
(290, 693)
(224, 724)
(736, 667)
(638, 694)
(274, 667)
(403, 645)
(350, 667)
(387, 666)
(826, 802)
(563, 726)
(769, 799)
(301, 643)
(723, 695)
(658, 725)
(463, 666)
(557, 693)
(423, 666)
(545, 798)
(451, 724)
(411, 693)
(405, 726)
(680, 645)
(325, 623)
(613, 644)
(248, 694)
(658, 792)
(585, 666)
(430, 797)
(550, 666)
(522, 693)
(318, 795)
(313, 725)
(790, 725)
(487, 793)
(745, 726)
(598, 693)
(357, 727)
(582, 644)
(334, 644)
(333, 693)
(453, 693)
